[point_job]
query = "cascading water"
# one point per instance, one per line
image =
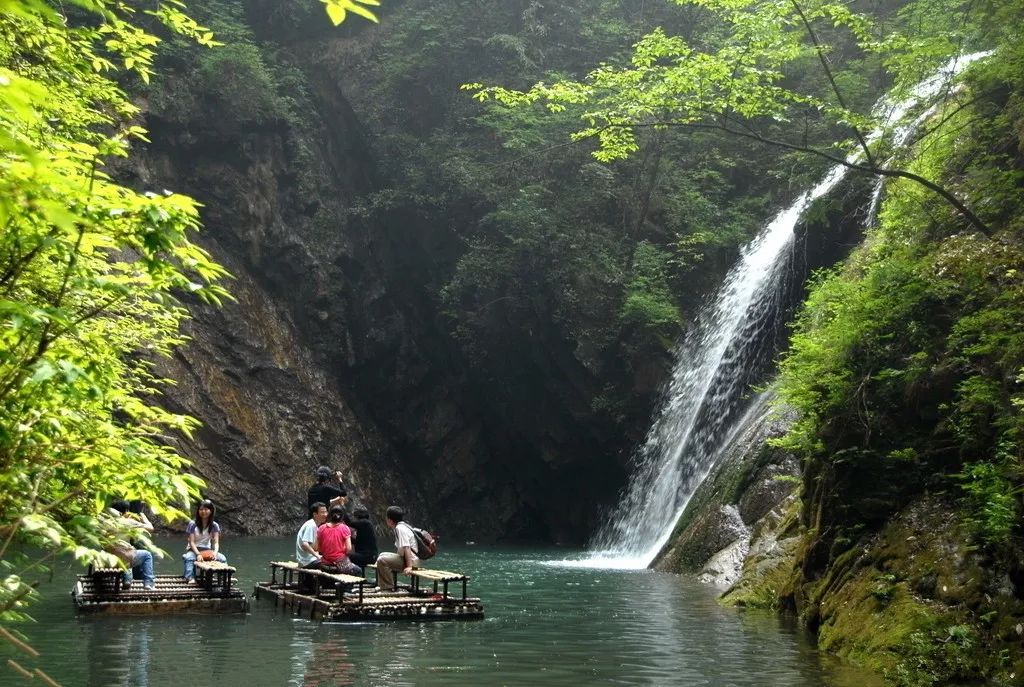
(894, 112)
(718, 360)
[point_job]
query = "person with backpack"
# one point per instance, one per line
(404, 559)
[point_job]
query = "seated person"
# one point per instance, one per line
(363, 538)
(306, 552)
(404, 558)
(334, 542)
(203, 540)
(138, 559)
(306, 544)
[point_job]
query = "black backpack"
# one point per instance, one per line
(426, 544)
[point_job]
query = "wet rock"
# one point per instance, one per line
(709, 534)
(768, 488)
(724, 568)
(751, 481)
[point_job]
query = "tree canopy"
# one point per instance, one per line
(742, 77)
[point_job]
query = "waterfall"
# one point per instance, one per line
(892, 114)
(726, 351)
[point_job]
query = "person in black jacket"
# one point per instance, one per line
(323, 492)
(364, 539)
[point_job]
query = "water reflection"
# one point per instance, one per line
(329, 665)
(158, 651)
(120, 655)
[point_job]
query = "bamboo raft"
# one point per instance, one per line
(102, 591)
(321, 595)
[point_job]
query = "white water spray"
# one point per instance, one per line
(718, 360)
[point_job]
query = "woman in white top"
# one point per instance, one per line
(203, 540)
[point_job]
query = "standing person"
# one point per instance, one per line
(363, 538)
(203, 540)
(326, 493)
(306, 552)
(334, 542)
(404, 558)
(135, 557)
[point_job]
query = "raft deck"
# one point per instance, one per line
(321, 595)
(102, 591)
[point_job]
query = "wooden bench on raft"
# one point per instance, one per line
(442, 577)
(289, 569)
(214, 576)
(107, 580)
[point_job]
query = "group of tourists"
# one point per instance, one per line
(332, 539)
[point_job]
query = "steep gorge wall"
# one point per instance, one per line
(336, 350)
(344, 246)
(271, 409)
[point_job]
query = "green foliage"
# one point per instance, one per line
(884, 587)
(938, 655)
(912, 351)
(648, 302)
(451, 168)
(236, 77)
(991, 501)
(526, 250)
(748, 82)
(90, 275)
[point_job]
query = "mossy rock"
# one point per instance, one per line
(768, 570)
(919, 604)
(749, 481)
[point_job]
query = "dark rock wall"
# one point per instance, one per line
(259, 372)
(336, 351)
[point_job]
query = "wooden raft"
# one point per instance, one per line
(326, 596)
(102, 591)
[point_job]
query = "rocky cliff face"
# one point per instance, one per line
(336, 351)
(271, 405)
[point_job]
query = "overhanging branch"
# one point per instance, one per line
(870, 168)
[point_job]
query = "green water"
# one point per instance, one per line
(545, 625)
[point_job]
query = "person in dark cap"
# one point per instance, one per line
(324, 492)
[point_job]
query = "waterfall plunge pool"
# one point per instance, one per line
(547, 623)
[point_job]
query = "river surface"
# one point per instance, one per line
(545, 624)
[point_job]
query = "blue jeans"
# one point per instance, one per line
(190, 562)
(143, 562)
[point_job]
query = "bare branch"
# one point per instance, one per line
(872, 169)
(831, 79)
